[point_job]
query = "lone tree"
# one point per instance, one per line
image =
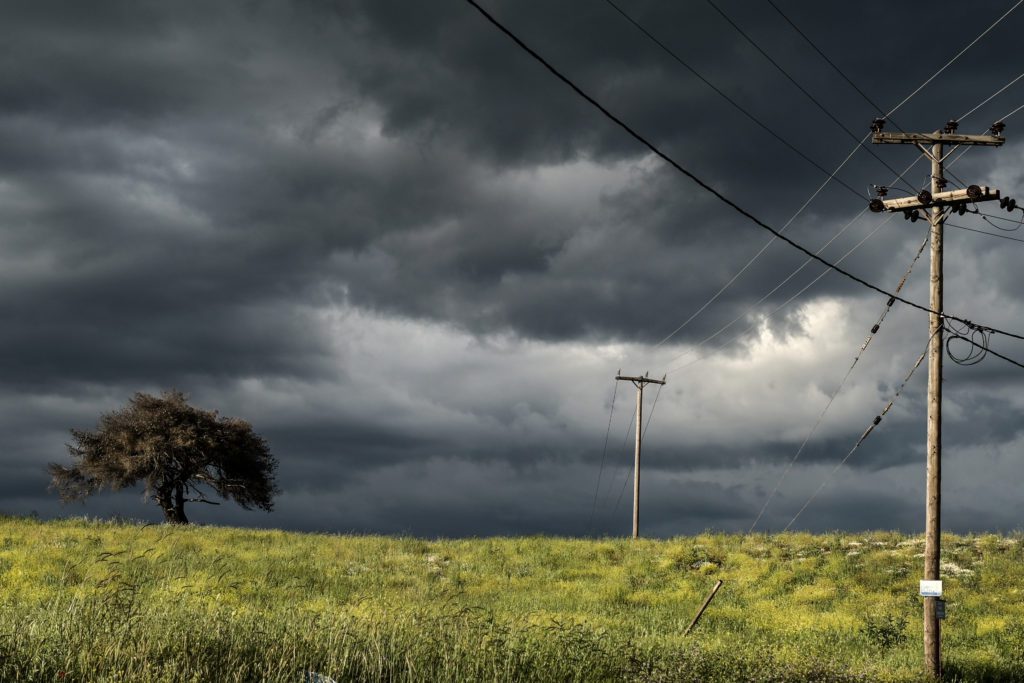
(176, 450)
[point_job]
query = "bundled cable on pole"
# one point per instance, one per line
(985, 350)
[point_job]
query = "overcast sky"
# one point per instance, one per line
(415, 261)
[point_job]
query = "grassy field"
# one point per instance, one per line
(98, 601)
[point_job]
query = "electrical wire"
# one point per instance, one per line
(777, 286)
(968, 148)
(604, 453)
(1015, 221)
(991, 97)
(955, 58)
(650, 413)
(865, 95)
(831, 175)
(975, 109)
(972, 359)
(982, 232)
(727, 98)
(968, 360)
(856, 147)
(774, 289)
(1016, 227)
(625, 439)
(978, 350)
(771, 313)
(753, 258)
(1012, 113)
(842, 383)
(830, 62)
(985, 350)
(643, 434)
(867, 432)
(701, 183)
(812, 98)
(873, 104)
(951, 61)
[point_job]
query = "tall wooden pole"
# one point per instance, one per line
(636, 459)
(932, 542)
(939, 202)
(639, 382)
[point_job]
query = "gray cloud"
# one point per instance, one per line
(410, 256)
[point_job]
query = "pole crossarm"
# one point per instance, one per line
(974, 193)
(639, 380)
(936, 138)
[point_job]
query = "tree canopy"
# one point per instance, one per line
(178, 451)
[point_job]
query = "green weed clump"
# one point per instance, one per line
(83, 600)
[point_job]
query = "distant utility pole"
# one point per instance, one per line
(639, 383)
(941, 204)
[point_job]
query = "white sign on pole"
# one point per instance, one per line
(931, 589)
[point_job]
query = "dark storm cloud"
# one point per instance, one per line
(189, 193)
(457, 102)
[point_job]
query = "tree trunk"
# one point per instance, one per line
(171, 499)
(179, 504)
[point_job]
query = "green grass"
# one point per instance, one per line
(97, 601)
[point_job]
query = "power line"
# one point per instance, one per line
(812, 98)
(650, 416)
(625, 440)
(843, 75)
(708, 188)
(643, 434)
(867, 432)
(778, 286)
(842, 383)
(727, 98)
(763, 249)
(604, 452)
(990, 97)
(983, 232)
(1002, 218)
(985, 349)
(831, 175)
(830, 62)
(892, 401)
(862, 93)
(968, 148)
(955, 57)
(736, 276)
(1013, 112)
(971, 111)
(777, 308)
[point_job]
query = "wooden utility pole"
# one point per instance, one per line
(639, 382)
(941, 203)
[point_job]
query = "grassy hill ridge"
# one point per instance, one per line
(99, 601)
